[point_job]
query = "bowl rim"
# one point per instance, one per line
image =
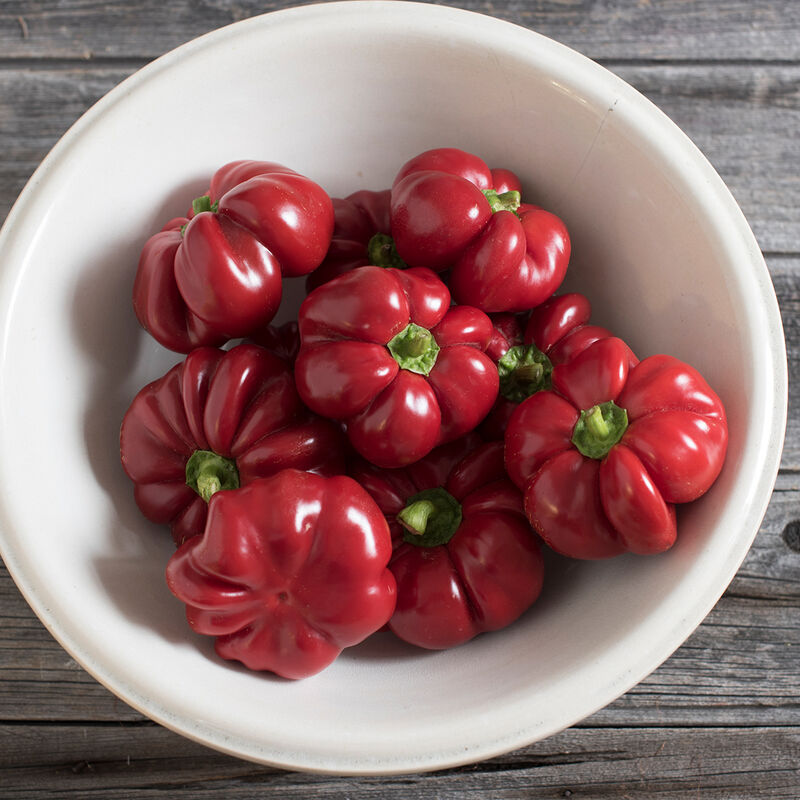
(671, 140)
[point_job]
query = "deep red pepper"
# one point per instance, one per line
(526, 350)
(465, 560)
(216, 275)
(446, 212)
(219, 420)
(361, 236)
(605, 454)
(282, 340)
(382, 351)
(290, 570)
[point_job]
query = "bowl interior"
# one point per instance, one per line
(659, 247)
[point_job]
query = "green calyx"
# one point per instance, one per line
(523, 370)
(599, 428)
(414, 349)
(382, 252)
(506, 201)
(430, 518)
(207, 473)
(200, 204)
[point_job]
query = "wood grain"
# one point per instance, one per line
(114, 761)
(602, 29)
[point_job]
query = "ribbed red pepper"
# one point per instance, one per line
(527, 349)
(447, 212)
(289, 570)
(216, 274)
(383, 352)
(361, 236)
(219, 420)
(466, 560)
(605, 454)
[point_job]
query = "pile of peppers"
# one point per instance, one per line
(398, 457)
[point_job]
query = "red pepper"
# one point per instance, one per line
(605, 454)
(282, 340)
(465, 560)
(526, 351)
(289, 571)
(217, 275)
(382, 351)
(361, 236)
(218, 420)
(503, 255)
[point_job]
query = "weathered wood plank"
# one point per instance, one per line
(667, 29)
(36, 108)
(786, 279)
(712, 679)
(743, 118)
(640, 764)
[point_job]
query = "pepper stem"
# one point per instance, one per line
(506, 201)
(599, 428)
(431, 517)
(200, 204)
(208, 473)
(414, 517)
(382, 252)
(523, 371)
(529, 373)
(595, 423)
(414, 349)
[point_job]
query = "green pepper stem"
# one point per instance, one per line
(506, 201)
(416, 343)
(599, 428)
(208, 473)
(529, 373)
(523, 370)
(431, 517)
(201, 204)
(595, 423)
(414, 517)
(382, 252)
(207, 485)
(414, 349)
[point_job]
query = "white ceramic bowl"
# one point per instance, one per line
(345, 93)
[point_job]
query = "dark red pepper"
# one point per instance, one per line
(465, 559)
(526, 350)
(217, 275)
(290, 570)
(361, 236)
(282, 340)
(383, 352)
(219, 420)
(605, 454)
(447, 213)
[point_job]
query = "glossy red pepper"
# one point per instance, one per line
(527, 349)
(446, 212)
(465, 560)
(219, 420)
(605, 454)
(290, 570)
(361, 236)
(216, 275)
(382, 351)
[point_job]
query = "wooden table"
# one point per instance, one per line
(721, 718)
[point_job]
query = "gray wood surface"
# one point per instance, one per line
(719, 719)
